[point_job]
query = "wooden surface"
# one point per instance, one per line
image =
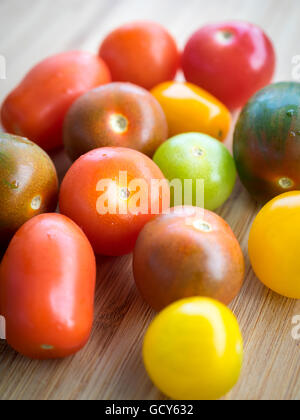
(110, 367)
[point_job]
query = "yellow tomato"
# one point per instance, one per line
(193, 350)
(274, 245)
(189, 108)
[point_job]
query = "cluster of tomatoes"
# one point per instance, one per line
(128, 127)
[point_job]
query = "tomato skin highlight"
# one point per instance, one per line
(37, 106)
(110, 234)
(47, 283)
(143, 53)
(231, 60)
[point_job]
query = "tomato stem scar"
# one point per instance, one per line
(124, 193)
(198, 152)
(224, 36)
(201, 225)
(285, 183)
(46, 347)
(36, 202)
(119, 123)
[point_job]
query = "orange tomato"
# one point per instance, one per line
(189, 108)
(47, 282)
(143, 53)
(37, 107)
(274, 244)
(100, 193)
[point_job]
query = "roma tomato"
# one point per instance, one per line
(189, 108)
(37, 107)
(117, 114)
(189, 252)
(274, 244)
(193, 350)
(109, 193)
(47, 282)
(143, 53)
(28, 184)
(232, 60)
(266, 142)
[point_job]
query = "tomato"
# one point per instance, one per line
(189, 108)
(37, 107)
(232, 60)
(143, 53)
(266, 142)
(189, 252)
(47, 282)
(28, 184)
(108, 193)
(274, 244)
(117, 114)
(193, 350)
(202, 164)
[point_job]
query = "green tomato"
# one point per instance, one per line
(195, 156)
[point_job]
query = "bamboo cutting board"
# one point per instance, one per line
(110, 366)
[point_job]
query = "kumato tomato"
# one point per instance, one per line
(193, 350)
(28, 184)
(112, 192)
(231, 60)
(189, 252)
(47, 283)
(274, 244)
(143, 53)
(189, 108)
(37, 107)
(266, 142)
(117, 114)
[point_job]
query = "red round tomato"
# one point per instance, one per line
(37, 107)
(47, 282)
(143, 53)
(108, 192)
(231, 60)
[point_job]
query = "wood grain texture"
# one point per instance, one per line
(110, 366)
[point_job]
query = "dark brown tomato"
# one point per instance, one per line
(28, 184)
(189, 252)
(117, 114)
(266, 144)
